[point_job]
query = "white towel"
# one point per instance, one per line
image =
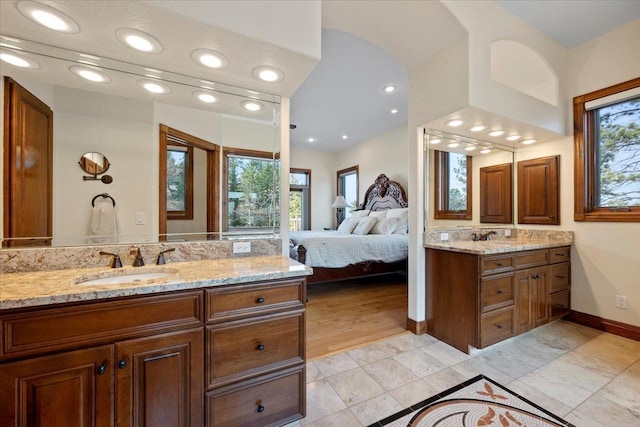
(103, 223)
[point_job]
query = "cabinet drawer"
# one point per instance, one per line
(496, 326)
(496, 264)
(560, 303)
(496, 292)
(59, 328)
(243, 349)
(266, 401)
(560, 276)
(557, 255)
(249, 300)
(532, 258)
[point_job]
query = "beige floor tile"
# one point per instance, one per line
(556, 387)
(375, 409)
(370, 353)
(355, 386)
(476, 366)
(625, 389)
(401, 422)
(344, 418)
(616, 351)
(515, 359)
(444, 380)
(413, 392)
(402, 343)
(335, 364)
(419, 362)
(313, 373)
(547, 402)
(557, 337)
(445, 353)
(608, 413)
(389, 373)
(322, 401)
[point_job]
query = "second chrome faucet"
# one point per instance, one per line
(138, 261)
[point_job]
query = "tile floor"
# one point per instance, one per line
(588, 377)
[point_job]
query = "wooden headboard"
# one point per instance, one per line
(384, 194)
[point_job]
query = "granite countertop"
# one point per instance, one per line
(19, 290)
(497, 246)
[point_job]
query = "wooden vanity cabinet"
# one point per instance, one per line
(479, 300)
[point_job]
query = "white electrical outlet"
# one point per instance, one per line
(507, 233)
(621, 301)
(241, 247)
(444, 236)
(140, 218)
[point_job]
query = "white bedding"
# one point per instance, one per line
(332, 249)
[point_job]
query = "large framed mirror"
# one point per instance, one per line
(122, 121)
(467, 182)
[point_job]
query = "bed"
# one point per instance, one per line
(373, 241)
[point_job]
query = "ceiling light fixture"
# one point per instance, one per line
(154, 87)
(210, 58)
(18, 60)
(90, 74)
(496, 133)
(453, 144)
(48, 17)
(311, 140)
(435, 141)
(485, 151)
(345, 136)
(390, 88)
(205, 97)
(394, 111)
(478, 128)
(454, 123)
(268, 74)
(138, 40)
(470, 147)
(251, 105)
(528, 141)
(513, 137)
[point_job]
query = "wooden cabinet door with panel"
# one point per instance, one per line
(539, 191)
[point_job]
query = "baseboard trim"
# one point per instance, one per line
(611, 326)
(418, 327)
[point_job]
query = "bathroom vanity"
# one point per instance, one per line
(215, 342)
(481, 293)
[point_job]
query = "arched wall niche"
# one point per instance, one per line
(516, 65)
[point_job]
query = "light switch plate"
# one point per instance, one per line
(140, 219)
(444, 236)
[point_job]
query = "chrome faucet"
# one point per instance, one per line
(139, 261)
(116, 263)
(161, 260)
(487, 236)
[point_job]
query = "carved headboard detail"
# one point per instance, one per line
(384, 194)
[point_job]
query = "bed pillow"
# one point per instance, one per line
(348, 225)
(402, 226)
(365, 225)
(384, 226)
(378, 214)
(401, 213)
(360, 214)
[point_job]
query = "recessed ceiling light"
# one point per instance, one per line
(251, 105)
(453, 144)
(90, 74)
(528, 141)
(268, 74)
(206, 97)
(478, 128)
(513, 137)
(390, 88)
(435, 141)
(394, 111)
(311, 140)
(48, 17)
(345, 136)
(496, 133)
(138, 40)
(470, 147)
(485, 151)
(154, 87)
(210, 58)
(18, 60)
(454, 123)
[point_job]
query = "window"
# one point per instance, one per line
(348, 188)
(299, 199)
(607, 154)
(252, 189)
(452, 172)
(179, 181)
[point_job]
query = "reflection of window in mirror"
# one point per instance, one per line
(179, 182)
(251, 192)
(452, 173)
(348, 188)
(299, 199)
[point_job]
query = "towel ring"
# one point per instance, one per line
(106, 196)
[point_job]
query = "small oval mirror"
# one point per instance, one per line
(94, 163)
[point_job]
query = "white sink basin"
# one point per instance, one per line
(118, 277)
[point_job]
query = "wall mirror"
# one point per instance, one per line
(118, 117)
(461, 181)
(94, 163)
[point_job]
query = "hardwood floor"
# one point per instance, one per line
(351, 313)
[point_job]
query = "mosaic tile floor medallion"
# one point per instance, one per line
(479, 401)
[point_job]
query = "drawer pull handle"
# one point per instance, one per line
(559, 277)
(122, 364)
(536, 276)
(500, 291)
(499, 264)
(260, 300)
(559, 254)
(260, 347)
(499, 326)
(559, 305)
(260, 408)
(102, 368)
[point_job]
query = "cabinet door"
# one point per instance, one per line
(539, 191)
(68, 389)
(540, 278)
(524, 308)
(160, 380)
